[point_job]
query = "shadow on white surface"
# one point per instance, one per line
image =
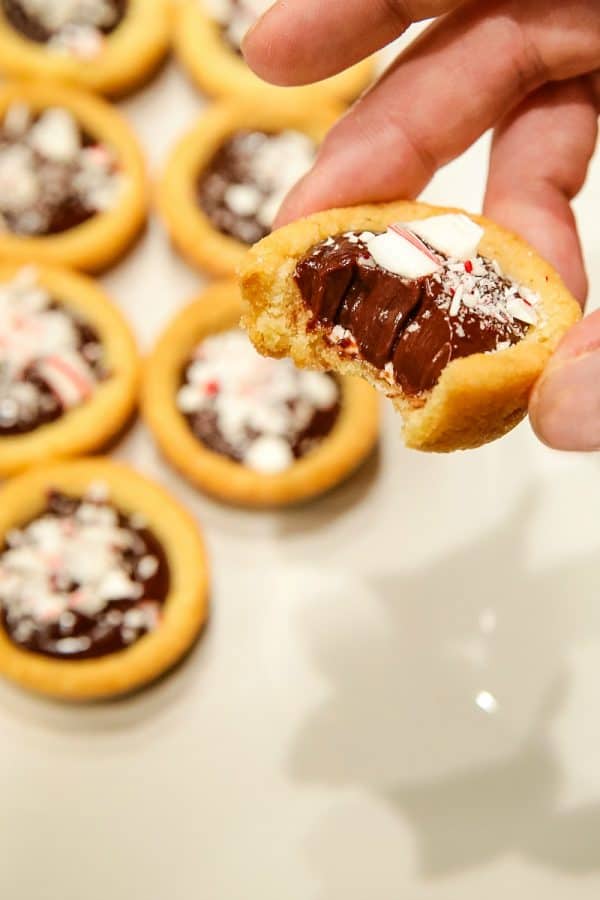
(441, 688)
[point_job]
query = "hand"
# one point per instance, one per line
(528, 69)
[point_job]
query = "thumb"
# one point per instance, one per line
(565, 404)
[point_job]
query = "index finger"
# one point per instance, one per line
(306, 40)
(461, 77)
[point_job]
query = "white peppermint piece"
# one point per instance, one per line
(269, 455)
(270, 207)
(243, 199)
(72, 645)
(56, 136)
(188, 399)
(339, 334)
(321, 392)
(19, 183)
(134, 618)
(147, 567)
(520, 310)
(453, 234)
(116, 585)
(397, 255)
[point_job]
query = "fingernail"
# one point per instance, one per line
(565, 405)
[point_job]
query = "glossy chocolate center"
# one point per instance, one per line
(82, 580)
(263, 413)
(77, 27)
(247, 180)
(410, 328)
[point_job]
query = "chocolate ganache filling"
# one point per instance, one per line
(51, 361)
(70, 25)
(411, 328)
(263, 413)
(247, 180)
(53, 175)
(82, 579)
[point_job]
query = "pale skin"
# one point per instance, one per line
(529, 69)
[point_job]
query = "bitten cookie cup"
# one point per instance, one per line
(92, 423)
(477, 397)
(100, 240)
(218, 70)
(183, 613)
(189, 226)
(350, 441)
(113, 63)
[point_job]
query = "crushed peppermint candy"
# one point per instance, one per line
(78, 581)
(402, 253)
(248, 179)
(480, 287)
(342, 339)
(453, 234)
(76, 28)
(236, 17)
(412, 249)
(445, 247)
(51, 361)
(401, 304)
(260, 412)
(52, 175)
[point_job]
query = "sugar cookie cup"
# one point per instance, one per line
(348, 444)
(103, 238)
(92, 425)
(190, 228)
(186, 606)
(219, 71)
(478, 397)
(126, 58)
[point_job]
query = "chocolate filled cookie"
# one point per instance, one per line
(103, 580)
(72, 186)
(68, 366)
(208, 38)
(251, 430)
(449, 315)
(109, 46)
(226, 179)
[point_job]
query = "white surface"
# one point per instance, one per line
(398, 695)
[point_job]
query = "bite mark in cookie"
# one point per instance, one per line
(448, 314)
